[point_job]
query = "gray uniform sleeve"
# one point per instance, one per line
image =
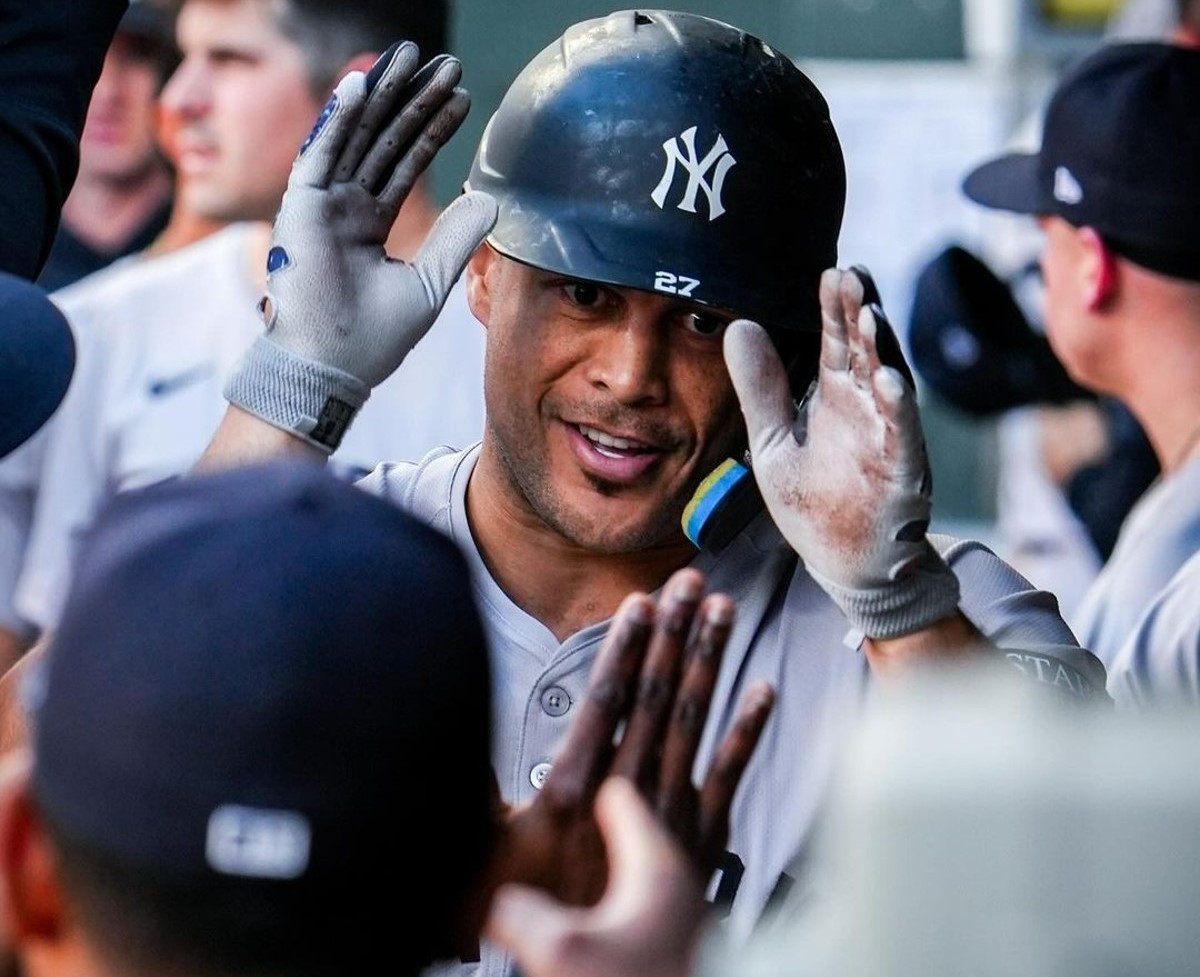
(1022, 621)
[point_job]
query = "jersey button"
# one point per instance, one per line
(538, 775)
(555, 701)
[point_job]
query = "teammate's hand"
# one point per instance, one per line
(647, 922)
(340, 314)
(846, 479)
(655, 674)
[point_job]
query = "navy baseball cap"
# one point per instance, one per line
(1120, 153)
(972, 344)
(148, 19)
(37, 358)
(269, 679)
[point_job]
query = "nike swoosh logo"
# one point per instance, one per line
(168, 385)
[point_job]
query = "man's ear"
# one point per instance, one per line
(1099, 270)
(479, 296)
(31, 904)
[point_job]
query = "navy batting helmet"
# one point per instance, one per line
(672, 153)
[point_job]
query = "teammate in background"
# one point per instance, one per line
(696, 177)
(122, 194)
(184, 225)
(1113, 187)
(156, 339)
(227, 754)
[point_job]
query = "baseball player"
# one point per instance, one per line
(1112, 187)
(147, 392)
(650, 179)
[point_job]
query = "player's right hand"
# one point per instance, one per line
(846, 478)
(340, 313)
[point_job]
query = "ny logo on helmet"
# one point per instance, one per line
(718, 161)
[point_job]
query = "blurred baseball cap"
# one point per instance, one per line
(1120, 153)
(148, 19)
(37, 358)
(972, 344)
(267, 681)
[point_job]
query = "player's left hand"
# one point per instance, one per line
(655, 674)
(846, 478)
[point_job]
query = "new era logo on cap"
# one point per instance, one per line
(1066, 187)
(257, 842)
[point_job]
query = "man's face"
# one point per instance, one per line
(606, 406)
(117, 143)
(243, 104)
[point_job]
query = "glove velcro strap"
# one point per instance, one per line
(925, 594)
(314, 401)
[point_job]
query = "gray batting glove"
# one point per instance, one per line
(846, 480)
(340, 314)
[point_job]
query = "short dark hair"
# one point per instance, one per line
(331, 32)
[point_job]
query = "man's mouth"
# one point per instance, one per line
(613, 446)
(615, 459)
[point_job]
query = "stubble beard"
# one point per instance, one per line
(532, 484)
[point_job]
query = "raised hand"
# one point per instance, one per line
(846, 477)
(655, 675)
(341, 314)
(647, 922)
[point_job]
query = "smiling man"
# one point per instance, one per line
(650, 179)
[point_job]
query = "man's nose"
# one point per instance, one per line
(187, 92)
(630, 360)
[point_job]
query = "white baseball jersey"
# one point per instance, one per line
(787, 632)
(156, 339)
(1160, 661)
(1158, 536)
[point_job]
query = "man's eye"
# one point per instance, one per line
(705, 325)
(584, 294)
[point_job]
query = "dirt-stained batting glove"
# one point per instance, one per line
(340, 313)
(846, 479)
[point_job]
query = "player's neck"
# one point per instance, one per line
(1162, 387)
(564, 585)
